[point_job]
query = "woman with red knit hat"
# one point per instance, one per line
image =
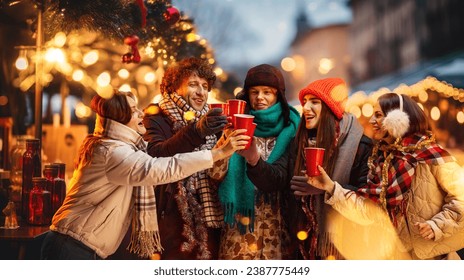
(324, 124)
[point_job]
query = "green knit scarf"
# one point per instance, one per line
(237, 192)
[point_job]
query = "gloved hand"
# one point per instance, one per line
(300, 186)
(211, 123)
(251, 155)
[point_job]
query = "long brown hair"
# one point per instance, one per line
(116, 108)
(327, 134)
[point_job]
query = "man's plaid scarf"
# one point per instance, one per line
(195, 212)
(392, 168)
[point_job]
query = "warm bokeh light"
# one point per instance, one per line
(253, 247)
(288, 64)
(125, 88)
(460, 117)
(211, 61)
(421, 106)
(191, 37)
(3, 100)
(149, 77)
(105, 92)
(157, 99)
(123, 73)
(302, 235)
(218, 71)
(359, 239)
(245, 221)
(151, 110)
(237, 90)
(59, 39)
(423, 96)
(55, 55)
(443, 105)
(325, 65)
(104, 79)
(367, 110)
(155, 257)
(82, 111)
(91, 57)
(21, 63)
(78, 75)
(435, 113)
(149, 51)
(356, 111)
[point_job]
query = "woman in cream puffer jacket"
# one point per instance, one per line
(415, 188)
(113, 183)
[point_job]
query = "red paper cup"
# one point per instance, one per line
(244, 121)
(314, 157)
(223, 106)
(250, 132)
(236, 106)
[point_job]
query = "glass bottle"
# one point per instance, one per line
(50, 173)
(16, 164)
(59, 191)
(39, 203)
(4, 191)
(31, 168)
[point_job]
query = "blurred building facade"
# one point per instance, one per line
(388, 35)
(315, 53)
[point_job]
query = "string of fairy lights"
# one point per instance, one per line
(361, 104)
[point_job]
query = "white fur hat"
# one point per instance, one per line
(396, 122)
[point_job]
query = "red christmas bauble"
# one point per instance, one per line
(172, 15)
(131, 40)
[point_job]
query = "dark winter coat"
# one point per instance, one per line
(162, 142)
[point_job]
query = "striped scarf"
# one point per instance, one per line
(196, 198)
(392, 168)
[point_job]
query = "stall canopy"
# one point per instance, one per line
(448, 68)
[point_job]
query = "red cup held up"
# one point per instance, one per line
(223, 106)
(314, 157)
(236, 106)
(250, 132)
(245, 121)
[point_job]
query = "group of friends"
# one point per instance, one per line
(178, 183)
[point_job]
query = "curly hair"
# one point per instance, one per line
(177, 73)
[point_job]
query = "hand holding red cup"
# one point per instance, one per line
(245, 121)
(314, 157)
(223, 106)
(235, 106)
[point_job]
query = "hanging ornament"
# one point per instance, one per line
(171, 15)
(133, 55)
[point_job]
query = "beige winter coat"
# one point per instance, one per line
(436, 197)
(98, 207)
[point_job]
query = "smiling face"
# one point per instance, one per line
(137, 116)
(376, 121)
(194, 90)
(262, 97)
(312, 107)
